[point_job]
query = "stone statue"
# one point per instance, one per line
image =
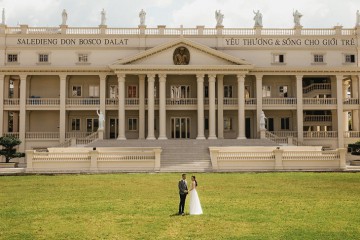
(357, 19)
(258, 18)
(142, 15)
(297, 17)
(101, 119)
(3, 17)
(181, 56)
(103, 17)
(262, 121)
(64, 17)
(219, 18)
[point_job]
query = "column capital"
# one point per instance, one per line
(2, 76)
(259, 76)
(121, 77)
(212, 77)
(23, 77)
(200, 76)
(102, 77)
(151, 77)
(240, 77)
(299, 77)
(162, 77)
(220, 76)
(339, 77)
(142, 77)
(62, 76)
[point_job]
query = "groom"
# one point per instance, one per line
(183, 191)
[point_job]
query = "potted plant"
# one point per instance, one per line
(355, 150)
(8, 150)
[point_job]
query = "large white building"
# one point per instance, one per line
(188, 83)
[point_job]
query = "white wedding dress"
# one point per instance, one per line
(195, 206)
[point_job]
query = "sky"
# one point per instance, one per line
(173, 13)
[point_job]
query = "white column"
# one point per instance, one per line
(241, 106)
(340, 109)
(299, 107)
(62, 125)
(22, 121)
(212, 106)
(151, 107)
(345, 113)
(200, 106)
(102, 79)
(162, 106)
(142, 106)
(258, 102)
(121, 87)
(2, 81)
(220, 106)
(355, 94)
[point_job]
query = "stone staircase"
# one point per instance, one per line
(184, 155)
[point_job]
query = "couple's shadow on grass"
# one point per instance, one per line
(178, 215)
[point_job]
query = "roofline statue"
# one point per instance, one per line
(219, 18)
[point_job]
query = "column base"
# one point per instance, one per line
(150, 138)
(241, 138)
(200, 138)
(121, 138)
(162, 138)
(212, 138)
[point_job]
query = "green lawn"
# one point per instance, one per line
(142, 206)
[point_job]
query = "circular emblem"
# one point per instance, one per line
(181, 56)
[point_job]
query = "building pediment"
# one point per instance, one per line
(181, 53)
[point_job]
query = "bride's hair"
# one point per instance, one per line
(195, 181)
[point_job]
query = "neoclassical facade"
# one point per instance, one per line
(179, 83)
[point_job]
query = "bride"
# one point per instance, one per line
(195, 206)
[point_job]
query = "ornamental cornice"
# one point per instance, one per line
(304, 70)
(58, 70)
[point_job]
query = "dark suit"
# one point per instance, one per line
(182, 192)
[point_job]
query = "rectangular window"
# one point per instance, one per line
(132, 124)
(83, 58)
(278, 58)
(318, 58)
(247, 91)
(227, 124)
(92, 125)
(113, 91)
(228, 91)
(76, 91)
(43, 58)
(132, 91)
(94, 91)
(266, 91)
(350, 58)
(283, 91)
(75, 124)
(285, 123)
(178, 92)
(12, 58)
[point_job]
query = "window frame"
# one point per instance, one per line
(230, 124)
(132, 120)
(266, 91)
(228, 91)
(12, 61)
(278, 62)
(72, 125)
(72, 90)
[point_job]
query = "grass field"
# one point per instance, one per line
(143, 206)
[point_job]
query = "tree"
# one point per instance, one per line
(355, 148)
(8, 150)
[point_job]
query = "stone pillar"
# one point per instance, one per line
(299, 107)
(340, 110)
(212, 106)
(102, 79)
(355, 94)
(162, 106)
(345, 113)
(220, 106)
(241, 106)
(62, 125)
(258, 101)
(151, 107)
(2, 81)
(200, 106)
(22, 121)
(141, 106)
(121, 87)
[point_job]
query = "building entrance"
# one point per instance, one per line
(180, 127)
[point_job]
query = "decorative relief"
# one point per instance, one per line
(181, 56)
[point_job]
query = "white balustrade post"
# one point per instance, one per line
(62, 127)
(22, 121)
(200, 106)
(346, 86)
(241, 106)
(2, 81)
(157, 152)
(29, 160)
(220, 105)
(214, 153)
(340, 110)
(278, 159)
(342, 154)
(121, 87)
(258, 102)
(299, 107)
(151, 107)
(212, 107)
(162, 106)
(94, 157)
(142, 106)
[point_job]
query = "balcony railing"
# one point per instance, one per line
(181, 101)
(77, 134)
(43, 101)
(14, 134)
(230, 101)
(352, 134)
(319, 101)
(112, 101)
(82, 101)
(317, 86)
(285, 133)
(321, 134)
(317, 118)
(250, 101)
(279, 101)
(42, 135)
(351, 101)
(11, 101)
